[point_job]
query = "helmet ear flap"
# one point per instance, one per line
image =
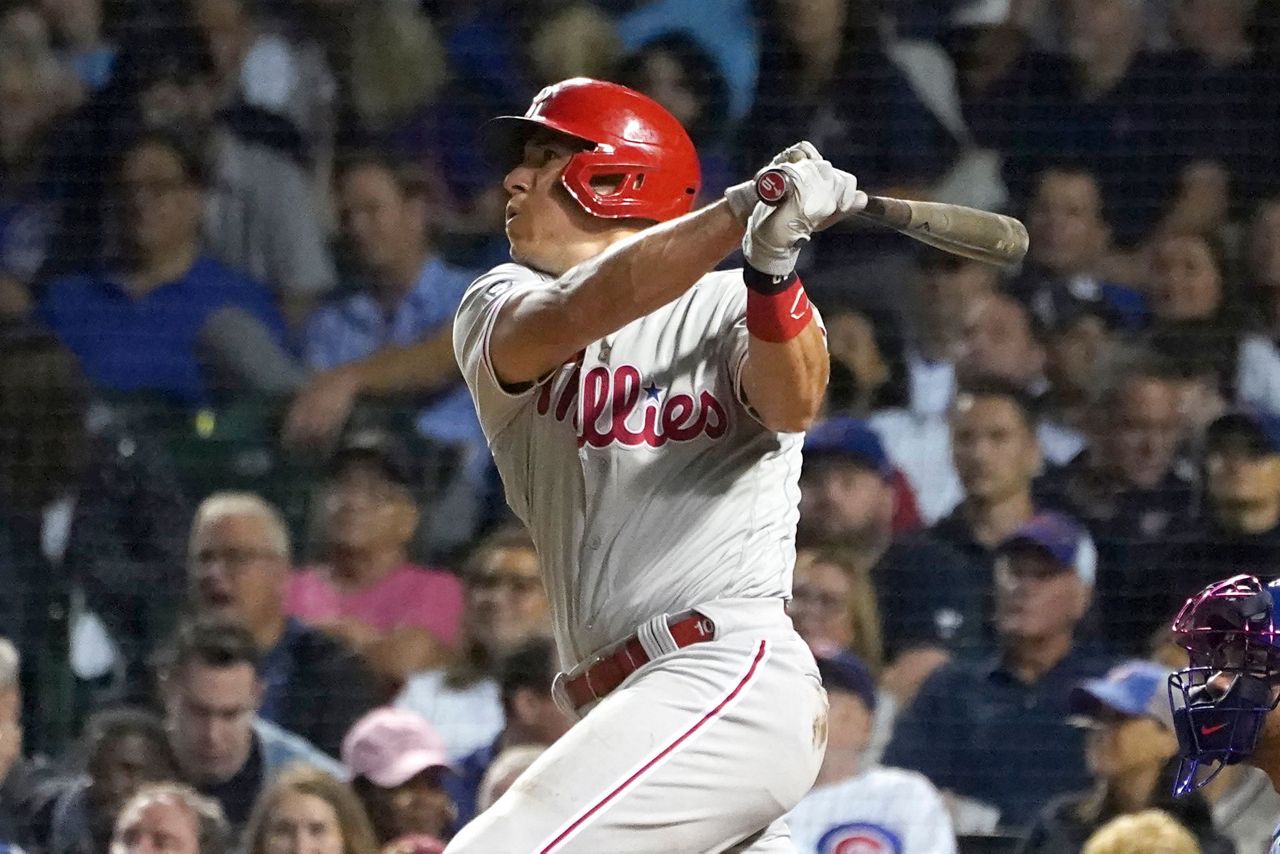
(625, 199)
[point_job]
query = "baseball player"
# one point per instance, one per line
(1224, 702)
(645, 414)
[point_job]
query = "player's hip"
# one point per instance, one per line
(708, 639)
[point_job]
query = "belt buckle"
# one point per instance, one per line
(560, 694)
(560, 691)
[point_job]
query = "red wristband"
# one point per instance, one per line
(777, 318)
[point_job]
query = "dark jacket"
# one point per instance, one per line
(1063, 829)
(316, 686)
(125, 553)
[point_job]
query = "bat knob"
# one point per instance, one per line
(772, 186)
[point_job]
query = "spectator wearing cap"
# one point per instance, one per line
(855, 801)
(260, 215)
(504, 606)
(393, 335)
(239, 562)
(1239, 530)
(399, 616)
(167, 319)
(993, 730)
(1130, 486)
(400, 772)
(1070, 237)
(922, 586)
(1130, 749)
(531, 716)
(212, 685)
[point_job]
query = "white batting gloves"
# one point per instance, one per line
(818, 195)
(742, 197)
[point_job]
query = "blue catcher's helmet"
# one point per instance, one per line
(1222, 698)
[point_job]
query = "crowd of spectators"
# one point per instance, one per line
(259, 590)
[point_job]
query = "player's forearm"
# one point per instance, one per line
(649, 270)
(785, 383)
(542, 329)
(421, 367)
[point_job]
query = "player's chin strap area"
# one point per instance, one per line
(1214, 729)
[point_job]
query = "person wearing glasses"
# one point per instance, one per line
(924, 589)
(504, 605)
(238, 564)
(164, 318)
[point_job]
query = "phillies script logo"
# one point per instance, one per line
(618, 408)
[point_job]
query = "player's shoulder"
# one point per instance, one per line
(493, 283)
(508, 273)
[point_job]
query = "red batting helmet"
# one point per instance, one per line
(630, 135)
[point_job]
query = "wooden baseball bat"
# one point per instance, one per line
(969, 232)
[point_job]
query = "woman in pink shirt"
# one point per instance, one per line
(401, 617)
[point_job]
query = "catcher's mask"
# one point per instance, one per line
(1222, 698)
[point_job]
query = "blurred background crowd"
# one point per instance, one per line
(258, 582)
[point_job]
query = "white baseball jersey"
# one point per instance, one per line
(646, 483)
(878, 811)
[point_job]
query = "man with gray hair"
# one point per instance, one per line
(173, 818)
(239, 561)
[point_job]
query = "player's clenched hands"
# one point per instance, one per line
(742, 197)
(818, 194)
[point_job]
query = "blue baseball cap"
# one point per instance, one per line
(1262, 428)
(1135, 688)
(844, 671)
(850, 438)
(1063, 538)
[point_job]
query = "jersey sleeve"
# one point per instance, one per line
(495, 403)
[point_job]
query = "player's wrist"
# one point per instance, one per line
(778, 309)
(766, 283)
(742, 200)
